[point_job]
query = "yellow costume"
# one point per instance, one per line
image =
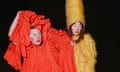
(74, 11)
(85, 54)
(85, 49)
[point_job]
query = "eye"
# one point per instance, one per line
(75, 25)
(33, 35)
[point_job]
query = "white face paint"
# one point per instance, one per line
(76, 28)
(35, 36)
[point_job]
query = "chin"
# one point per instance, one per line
(76, 34)
(37, 43)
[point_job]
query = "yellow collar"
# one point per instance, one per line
(75, 38)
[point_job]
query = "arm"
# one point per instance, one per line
(14, 24)
(13, 57)
(89, 50)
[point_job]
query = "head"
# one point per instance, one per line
(35, 36)
(76, 28)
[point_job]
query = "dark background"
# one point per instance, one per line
(101, 22)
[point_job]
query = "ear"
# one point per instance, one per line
(14, 24)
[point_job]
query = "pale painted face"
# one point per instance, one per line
(35, 36)
(76, 28)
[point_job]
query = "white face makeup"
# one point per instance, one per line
(76, 28)
(35, 36)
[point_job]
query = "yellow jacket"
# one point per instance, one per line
(85, 54)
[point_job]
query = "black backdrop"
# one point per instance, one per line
(101, 21)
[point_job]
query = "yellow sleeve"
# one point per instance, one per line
(89, 46)
(85, 54)
(90, 52)
(92, 46)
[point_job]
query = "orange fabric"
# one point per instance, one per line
(62, 49)
(54, 55)
(66, 53)
(13, 57)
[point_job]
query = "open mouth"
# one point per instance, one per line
(77, 32)
(38, 40)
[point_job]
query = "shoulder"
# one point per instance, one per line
(88, 36)
(57, 32)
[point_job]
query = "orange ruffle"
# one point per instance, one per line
(13, 57)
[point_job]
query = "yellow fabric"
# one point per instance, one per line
(74, 38)
(85, 54)
(74, 11)
(85, 50)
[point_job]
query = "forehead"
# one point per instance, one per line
(77, 24)
(34, 30)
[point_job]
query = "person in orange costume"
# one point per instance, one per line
(37, 47)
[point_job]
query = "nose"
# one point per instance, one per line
(77, 28)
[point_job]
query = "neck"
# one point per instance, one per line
(75, 38)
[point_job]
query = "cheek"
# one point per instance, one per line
(73, 30)
(32, 39)
(79, 30)
(39, 38)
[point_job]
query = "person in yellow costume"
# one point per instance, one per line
(84, 44)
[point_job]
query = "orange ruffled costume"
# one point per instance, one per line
(54, 55)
